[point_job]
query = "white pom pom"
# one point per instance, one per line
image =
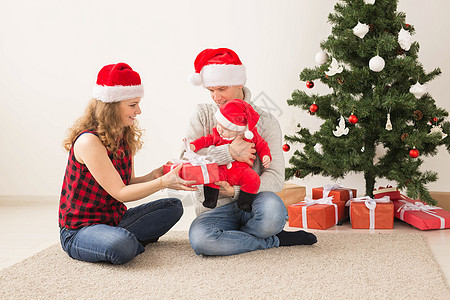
(248, 135)
(195, 79)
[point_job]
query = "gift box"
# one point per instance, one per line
(315, 214)
(292, 193)
(393, 193)
(420, 215)
(202, 174)
(338, 192)
(442, 198)
(368, 213)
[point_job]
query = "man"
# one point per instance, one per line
(227, 230)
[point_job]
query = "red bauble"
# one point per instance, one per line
(286, 147)
(353, 119)
(407, 26)
(414, 153)
(314, 108)
(309, 84)
(435, 119)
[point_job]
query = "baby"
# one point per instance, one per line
(234, 118)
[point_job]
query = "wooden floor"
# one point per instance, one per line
(30, 224)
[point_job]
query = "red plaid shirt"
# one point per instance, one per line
(83, 201)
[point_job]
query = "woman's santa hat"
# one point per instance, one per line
(238, 115)
(218, 67)
(117, 82)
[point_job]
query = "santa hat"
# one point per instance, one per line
(238, 115)
(218, 67)
(117, 82)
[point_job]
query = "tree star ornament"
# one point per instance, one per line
(376, 63)
(360, 30)
(334, 68)
(438, 130)
(321, 57)
(404, 39)
(341, 129)
(418, 90)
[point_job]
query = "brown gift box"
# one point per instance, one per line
(292, 193)
(442, 198)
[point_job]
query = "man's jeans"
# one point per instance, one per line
(227, 230)
(118, 245)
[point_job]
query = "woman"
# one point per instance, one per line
(95, 225)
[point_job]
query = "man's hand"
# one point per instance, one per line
(242, 151)
(226, 189)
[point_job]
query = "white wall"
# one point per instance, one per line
(51, 51)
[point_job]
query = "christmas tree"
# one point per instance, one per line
(378, 100)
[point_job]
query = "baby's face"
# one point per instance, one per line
(226, 133)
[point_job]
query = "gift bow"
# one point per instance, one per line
(370, 204)
(329, 187)
(419, 206)
(308, 202)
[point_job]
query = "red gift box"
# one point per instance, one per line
(368, 213)
(393, 193)
(315, 214)
(339, 193)
(202, 174)
(420, 215)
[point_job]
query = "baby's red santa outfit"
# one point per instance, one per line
(236, 115)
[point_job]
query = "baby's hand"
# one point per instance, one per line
(266, 161)
(192, 147)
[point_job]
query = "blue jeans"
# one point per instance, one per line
(120, 244)
(227, 230)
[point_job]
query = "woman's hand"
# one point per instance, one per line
(226, 189)
(173, 181)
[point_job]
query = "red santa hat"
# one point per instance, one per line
(218, 67)
(117, 82)
(238, 115)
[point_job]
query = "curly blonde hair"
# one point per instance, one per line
(104, 119)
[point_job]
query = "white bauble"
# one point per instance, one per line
(376, 63)
(369, 1)
(321, 57)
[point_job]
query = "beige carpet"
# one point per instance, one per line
(340, 265)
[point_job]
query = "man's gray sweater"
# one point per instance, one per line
(272, 178)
